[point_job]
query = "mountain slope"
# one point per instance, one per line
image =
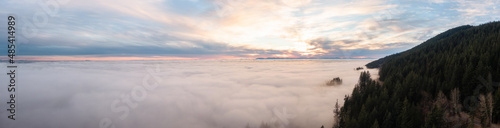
(418, 83)
(444, 35)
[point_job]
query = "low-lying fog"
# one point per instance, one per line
(178, 94)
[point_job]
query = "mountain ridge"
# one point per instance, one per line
(447, 33)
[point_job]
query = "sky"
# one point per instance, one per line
(232, 29)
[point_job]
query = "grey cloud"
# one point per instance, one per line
(335, 50)
(194, 48)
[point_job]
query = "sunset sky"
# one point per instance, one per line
(231, 29)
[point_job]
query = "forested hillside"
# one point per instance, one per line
(379, 62)
(450, 80)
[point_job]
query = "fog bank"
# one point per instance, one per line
(179, 94)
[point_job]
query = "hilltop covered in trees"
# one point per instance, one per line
(449, 80)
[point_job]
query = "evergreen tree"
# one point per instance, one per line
(435, 118)
(336, 117)
(375, 125)
(496, 107)
(405, 116)
(388, 122)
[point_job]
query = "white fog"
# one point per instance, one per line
(190, 93)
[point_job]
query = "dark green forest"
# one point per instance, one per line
(450, 80)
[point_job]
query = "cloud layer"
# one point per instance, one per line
(191, 93)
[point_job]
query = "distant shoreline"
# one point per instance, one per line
(312, 58)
